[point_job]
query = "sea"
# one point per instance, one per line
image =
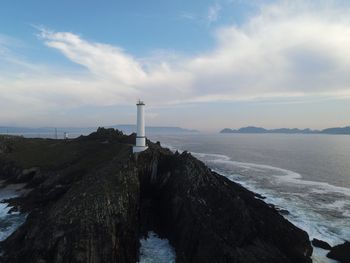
(306, 174)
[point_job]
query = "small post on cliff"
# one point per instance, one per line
(140, 145)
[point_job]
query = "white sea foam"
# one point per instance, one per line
(156, 250)
(319, 256)
(9, 222)
(288, 176)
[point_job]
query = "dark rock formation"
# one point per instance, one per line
(90, 202)
(208, 218)
(340, 252)
(84, 211)
(321, 244)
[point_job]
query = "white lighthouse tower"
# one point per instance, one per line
(140, 137)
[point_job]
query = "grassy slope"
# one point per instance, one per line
(49, 154)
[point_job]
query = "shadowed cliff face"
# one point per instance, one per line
(96, 220)
(93, 200)
(208, 218)
(84, 208)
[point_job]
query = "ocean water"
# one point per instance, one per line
(156, 250)
(308, 175)
(9, 221)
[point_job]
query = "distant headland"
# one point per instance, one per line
(252, 129)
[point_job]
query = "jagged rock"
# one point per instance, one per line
(103, 133)
(92, 202)
(98, 226)
(86, 211)
(282, 211)
(340, 252)
(321, 244)
(28, 174)
(4, 148)
(208, 218)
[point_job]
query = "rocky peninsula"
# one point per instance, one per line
(91, 200)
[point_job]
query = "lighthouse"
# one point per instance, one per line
(140, 136)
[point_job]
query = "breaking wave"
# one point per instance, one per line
(9, 221)
(156, 250)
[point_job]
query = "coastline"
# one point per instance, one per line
(164, 177)
(290, 211)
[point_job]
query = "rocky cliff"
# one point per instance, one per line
(211, 219)
(91, 201)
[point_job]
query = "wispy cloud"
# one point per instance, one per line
(213, 12)
(188, 16)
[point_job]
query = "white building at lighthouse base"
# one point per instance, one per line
(140, 144)
(137, 149)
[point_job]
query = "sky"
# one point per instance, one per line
(203, 65)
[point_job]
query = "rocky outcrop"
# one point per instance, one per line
(77, 214)
(94, 201)
(95, 220)
(340, 252)
(208, 218)
(321, 244)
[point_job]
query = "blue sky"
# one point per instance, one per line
(197, 64)
(140, 28)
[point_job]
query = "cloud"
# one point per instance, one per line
(213, 12)
(188, 16)
(286, 50)
(118, 72)
(293, 49)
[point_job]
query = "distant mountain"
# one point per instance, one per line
(343, 130)
(252, 129)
